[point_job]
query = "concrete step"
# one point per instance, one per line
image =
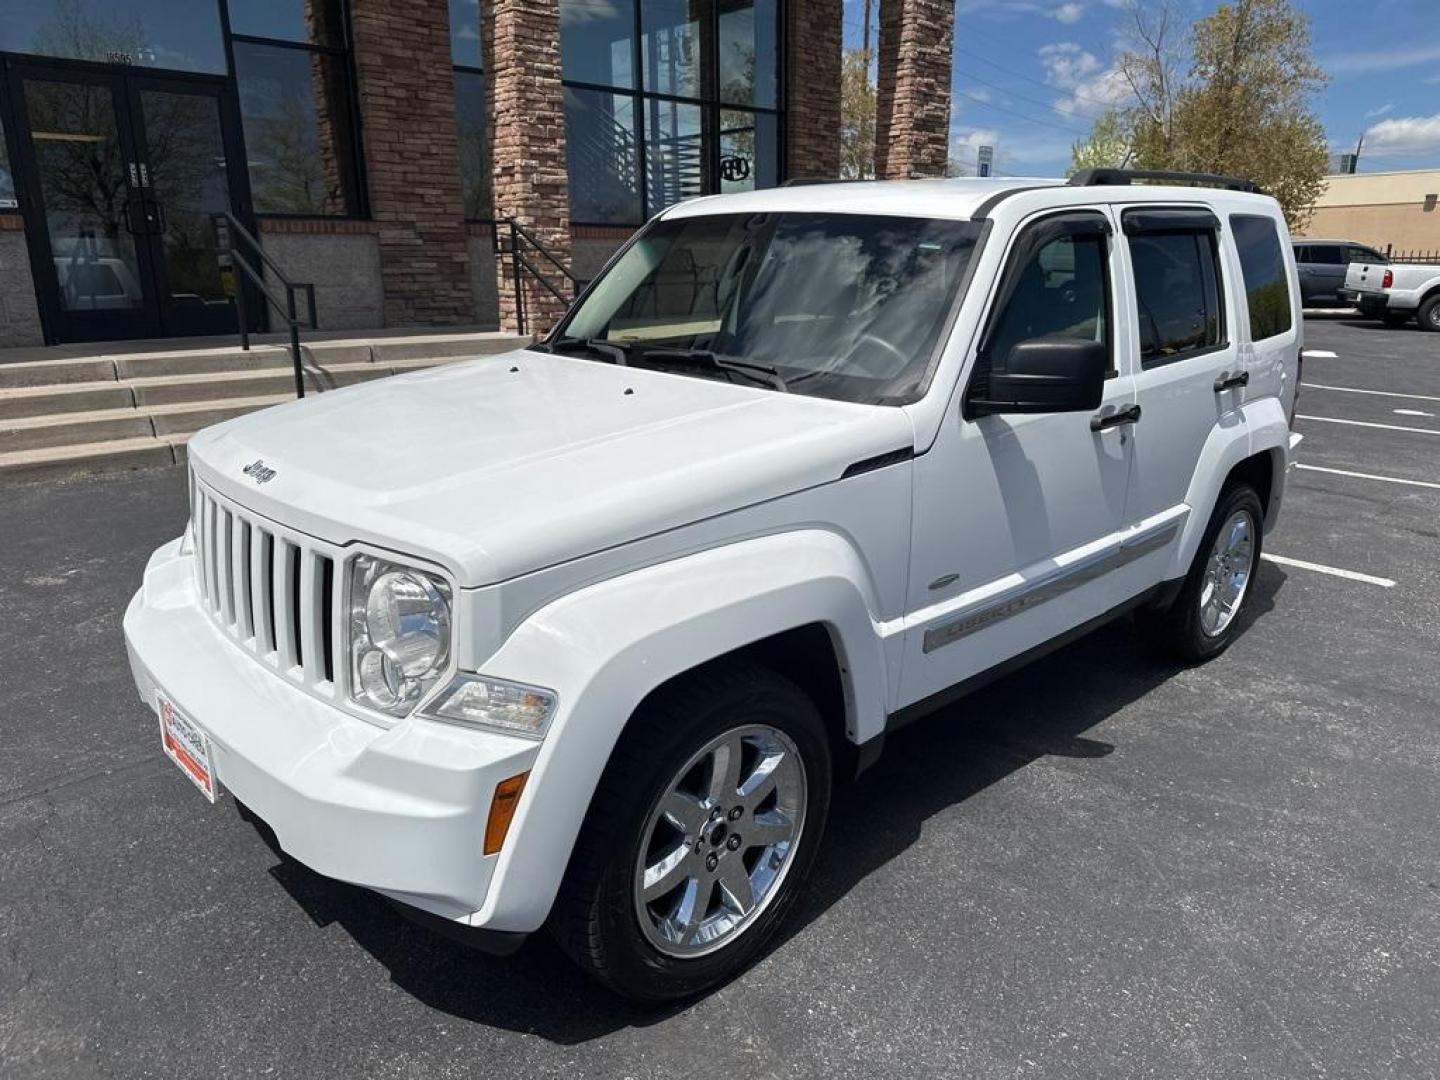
(57, 372)
(388, 350)
(74, 429)
(215, 385)
(24, 401)
(260, 357)
(111, 456)
(191, 416)
(76, 415)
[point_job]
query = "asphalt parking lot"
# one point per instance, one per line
(1099, 867)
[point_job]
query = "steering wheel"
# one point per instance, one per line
(857, 354)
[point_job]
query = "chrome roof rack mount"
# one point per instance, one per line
(1108, 177)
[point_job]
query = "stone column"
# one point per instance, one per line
(813, 89)
(528, 148)
(407, 102)
(912, 93)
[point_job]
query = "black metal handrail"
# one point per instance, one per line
(519, 243)
(227, 227)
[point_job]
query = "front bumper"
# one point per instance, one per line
(400, 810)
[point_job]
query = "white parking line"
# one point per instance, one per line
(1379, 393)
(1411, 412)
(1368, 476)
(1369, 424)
(1333, 571)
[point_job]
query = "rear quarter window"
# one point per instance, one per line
(1262, 263)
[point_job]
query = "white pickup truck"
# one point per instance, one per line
(582, 635)
(1396, 292)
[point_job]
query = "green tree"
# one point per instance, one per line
(1241, 109)
(857, 116)
(1246, 111)
(1108, 146)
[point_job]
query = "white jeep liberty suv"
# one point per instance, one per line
(582, 635)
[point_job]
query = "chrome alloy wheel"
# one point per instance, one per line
(720, 840)
(1227, 573)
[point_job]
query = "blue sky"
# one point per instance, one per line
(1029, 76)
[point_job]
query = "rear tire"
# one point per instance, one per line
(1429, 314)
(618, 915)
(1206, 616)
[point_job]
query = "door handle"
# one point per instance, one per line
(1227, 381)
(1130, 414)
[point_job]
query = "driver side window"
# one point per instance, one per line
(1060, 291)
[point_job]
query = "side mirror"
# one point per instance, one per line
(1047, 374)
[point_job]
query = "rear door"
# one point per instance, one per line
(1324, 274)
(1188, 369)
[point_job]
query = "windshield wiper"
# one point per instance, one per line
(761, 373)
(616, 353)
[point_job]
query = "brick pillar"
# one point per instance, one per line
(912, 94)
(407, 101)
(528, 147)
(812, 102)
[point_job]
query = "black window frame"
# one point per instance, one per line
(477, 69)
(1029, 240)
(1177, 221)
(345, 50)
(710, 103)
(1291, 289)
(1371, 256)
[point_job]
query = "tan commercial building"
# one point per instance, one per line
(1390, 210)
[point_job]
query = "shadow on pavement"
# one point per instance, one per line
(1042, 710)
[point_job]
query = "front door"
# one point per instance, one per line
(125, 172)
(1020, 529)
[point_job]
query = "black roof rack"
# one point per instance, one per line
(1121, 177)
(807, 181)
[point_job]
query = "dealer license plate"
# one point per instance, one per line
(186, 745)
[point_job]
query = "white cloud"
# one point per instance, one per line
(1068, 13)
(1404, 135)
(1389, 106)
(1380, 60)
(1027, 154)
(1089, 85)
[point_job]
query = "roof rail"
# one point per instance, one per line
(808, 181)
(1107, 177)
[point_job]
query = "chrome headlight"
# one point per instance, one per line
(399, 634)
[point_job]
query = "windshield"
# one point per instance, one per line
(844, 306)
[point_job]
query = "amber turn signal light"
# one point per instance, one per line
(502, 809)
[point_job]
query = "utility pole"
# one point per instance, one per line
(865, 33)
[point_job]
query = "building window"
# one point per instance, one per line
(292, 69)
(8, 201)
(466, 55)
(666, 100)
(141, 33)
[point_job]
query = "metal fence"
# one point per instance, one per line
(1412, 256)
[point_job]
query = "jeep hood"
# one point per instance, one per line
(506, 464)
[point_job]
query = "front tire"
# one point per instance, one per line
(1206, 616)
(700, 832)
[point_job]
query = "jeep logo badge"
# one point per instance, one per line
(259, 472)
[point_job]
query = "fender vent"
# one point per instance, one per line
(879, 461)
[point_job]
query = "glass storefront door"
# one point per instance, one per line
(128, 170)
